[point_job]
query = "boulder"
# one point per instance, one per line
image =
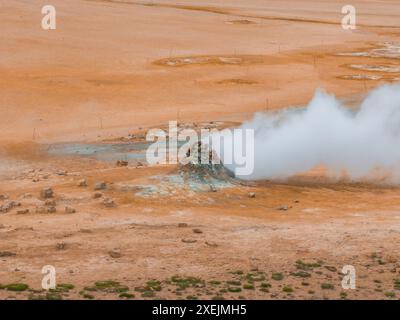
(69, 209)
(100, 186)
(109, 203)
(82, 183)
(46, 193)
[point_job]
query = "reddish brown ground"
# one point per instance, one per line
(112, 67)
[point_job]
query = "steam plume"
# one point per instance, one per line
(326, 133)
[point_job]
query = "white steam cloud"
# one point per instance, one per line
(357, 142)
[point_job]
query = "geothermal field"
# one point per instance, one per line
(83, 209)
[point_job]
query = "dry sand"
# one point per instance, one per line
(117, 67)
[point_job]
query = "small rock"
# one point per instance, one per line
(109, 203)
(122, 163)
(182, 225)
(61, 246)
(212, 189)
(24, 211)
(9, 206)
(3, 197)
(97, 195)
(82, 183)
(252, 195)
(41, 209)
(26, 195)
(116, 253)
(189, 240)
(197, 231)
(4, 254)
(61, 173)
(51, 209)
(5, 208)
(50, 202)
(100, 186)
(69, 209)
(283, 208)
(211, 244)
(47, 193)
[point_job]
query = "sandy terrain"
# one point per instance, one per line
(115, 68)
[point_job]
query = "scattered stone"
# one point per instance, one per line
(283, 208)
(116, 253)
(122, 163)
(82, 183)
(51, 209)
(212, 189)
(109, 203)
(100, 186)
(26, 195)
(197, 230)
(189, 240)
(69, 209)
(15, 204)
(211, 244)
(5, 208)
(4, 254)
(35, 180)
(41, 209)
(61, 246)
(139, 164)
(182, 225)
(24, 211)
(252, 195)
(3, 197)
(9, 206)
(97, 195)
(50, 202)
(61, 173)
(47, 193)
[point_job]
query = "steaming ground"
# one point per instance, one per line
(361, 144)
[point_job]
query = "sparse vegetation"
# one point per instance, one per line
(259, 276)
(331, 268)
(16, 287)
(184, 283)
(396, 283)
(234, 282)
(301, 274)
(287, 289)
(248, 286)
(306, 266)
(277, 276)
(327, 286)
(148, 294)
